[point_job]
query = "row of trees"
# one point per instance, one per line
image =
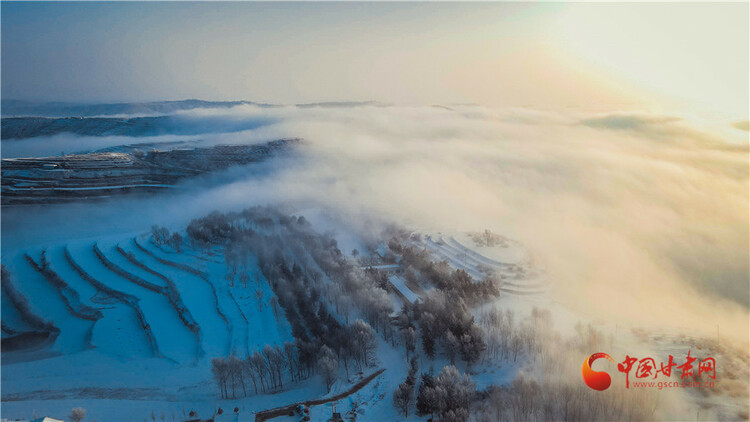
(508, 339)
(162, 236)
(264, 370)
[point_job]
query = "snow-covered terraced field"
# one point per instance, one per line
(122, 315)
(174, 340)
(126, 285)
(12, 320)
(252, 319)
(198, 296)
(45, 301)
(517, 274)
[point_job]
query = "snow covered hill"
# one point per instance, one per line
(123, 170)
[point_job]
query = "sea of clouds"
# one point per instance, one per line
(635, 216)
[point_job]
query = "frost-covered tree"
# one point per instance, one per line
(451, 346)
(410, 340)
(411, 377)
(448, 395)
(328, 366)
(516, 345)
(472, 345)
(427, 326)
(455, 415)
(455, 392)
(175, 241)
(427, 400)
(160, 234)
(402, 397)
(364, 341)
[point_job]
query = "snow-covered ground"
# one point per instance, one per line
(108, 366)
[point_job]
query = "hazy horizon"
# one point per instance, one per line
(541, 56)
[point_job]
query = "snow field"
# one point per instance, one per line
(46, 302)
(197, 295)
(174, 340)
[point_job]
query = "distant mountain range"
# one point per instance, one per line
(18, 108)
(29, 127)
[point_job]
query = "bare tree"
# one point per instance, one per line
(235, 372)
(516, 345)
(275, 307)
(244, 278)
(77, 414)
(259, 296)
(219, 371)
(259, 366)
(175, 241)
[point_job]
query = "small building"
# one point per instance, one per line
(336, 417)
(399, 287)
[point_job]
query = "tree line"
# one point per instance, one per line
(299, 265)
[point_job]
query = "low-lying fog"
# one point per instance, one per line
(636, 217)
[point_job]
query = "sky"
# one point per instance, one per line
(589, 57)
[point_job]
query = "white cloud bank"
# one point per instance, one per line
(639, 218)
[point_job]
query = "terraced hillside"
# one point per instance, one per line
(103, 174)
(515, 273)
(29, 127)
(128, 298)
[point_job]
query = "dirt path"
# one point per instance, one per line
(281, 411)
